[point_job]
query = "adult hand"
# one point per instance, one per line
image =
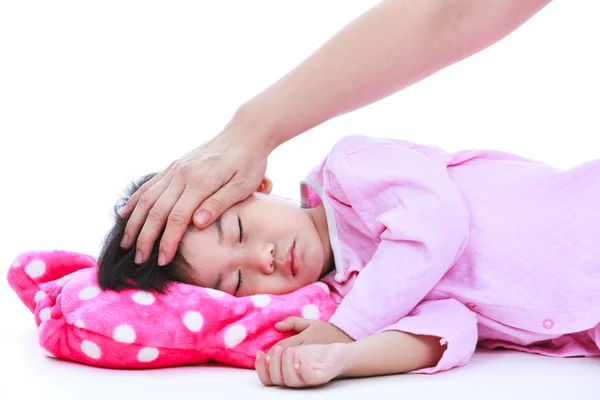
(201, 184)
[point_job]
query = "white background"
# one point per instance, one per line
(94, 94)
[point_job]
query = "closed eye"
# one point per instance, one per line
(237, 288)
(241, 228)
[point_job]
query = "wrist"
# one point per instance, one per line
(254, 125)
(350, 359)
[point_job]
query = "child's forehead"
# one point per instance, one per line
(196, 252)
(193, 233)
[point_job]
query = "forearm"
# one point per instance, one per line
(391, 352)
(390, 47)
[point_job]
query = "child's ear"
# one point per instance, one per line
(265, 186)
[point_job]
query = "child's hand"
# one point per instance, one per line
(310, 365)
(310, 332)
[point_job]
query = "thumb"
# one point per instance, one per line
(295, 324)
(221, 200)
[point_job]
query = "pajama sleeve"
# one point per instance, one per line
(452, 322)
(407, 201)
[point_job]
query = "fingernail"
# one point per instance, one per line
(138, 257)
(296, 365)
(125, 241)
(162, 259)
(202, 217)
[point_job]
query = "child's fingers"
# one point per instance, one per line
(274, 364)
(283, 326)
(291, 377)
(310, 375)
(292, 341)
(262, 369)
(295, 324)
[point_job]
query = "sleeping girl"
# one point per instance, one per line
(427, 253)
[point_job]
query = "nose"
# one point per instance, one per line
(263, 259)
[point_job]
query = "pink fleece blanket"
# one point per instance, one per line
(134, 329)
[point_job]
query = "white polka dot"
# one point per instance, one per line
(147, 354)
(45, 314)
(124, 334)
(39, 296)
(193, 321)
(215, 293)
(143, 298)
(79, 323)
(261, 300)
(91, 349)
(47, 353)
(35, 269)
(16, 263)
(234, 336)
(89, 293)
(310, 312)
(61, 282)
(323, 286)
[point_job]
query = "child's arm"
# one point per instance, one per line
(391, 352)
(438, 335)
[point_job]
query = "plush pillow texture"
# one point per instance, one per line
(134, 329)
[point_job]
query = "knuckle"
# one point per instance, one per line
(198, 177)
(144, 189)
(178, 218)
(143, 242)
(240, 185)
(145, 200)
(215, 204)
(156, 214)
(147, 185)
(182, 168)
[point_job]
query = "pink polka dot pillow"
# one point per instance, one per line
(135, 329)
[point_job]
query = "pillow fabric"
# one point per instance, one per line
(134, 329)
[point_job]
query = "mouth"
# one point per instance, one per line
(292, 259)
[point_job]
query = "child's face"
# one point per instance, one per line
(280, 248)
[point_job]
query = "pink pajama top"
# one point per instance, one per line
(472, 247)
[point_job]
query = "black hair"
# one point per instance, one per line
(116, 267)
